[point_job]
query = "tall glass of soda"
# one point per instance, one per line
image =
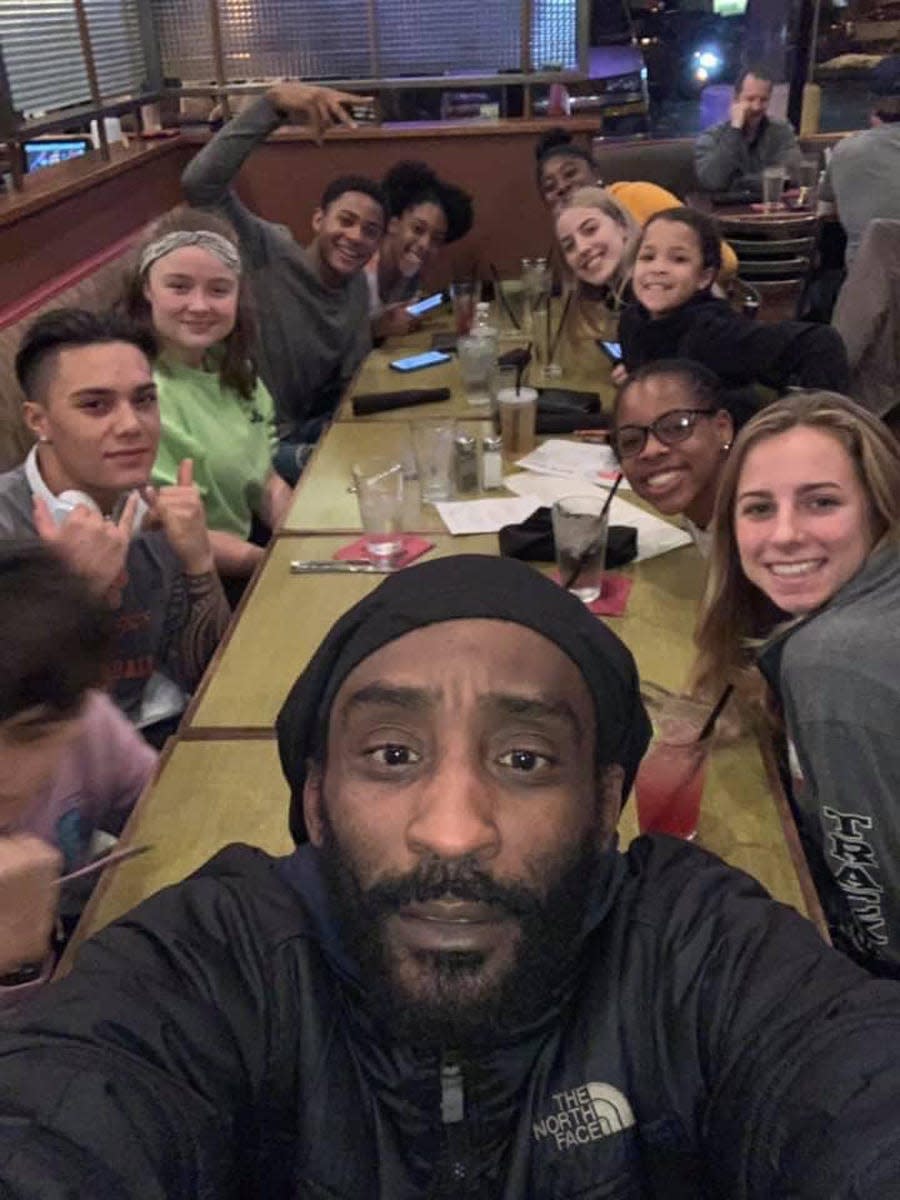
(669, 784)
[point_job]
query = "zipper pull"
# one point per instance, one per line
(453, 1101)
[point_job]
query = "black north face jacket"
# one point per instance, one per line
(215, 1043)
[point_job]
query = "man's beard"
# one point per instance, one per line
(457, 1001)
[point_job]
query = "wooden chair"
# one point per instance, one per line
(775, 255)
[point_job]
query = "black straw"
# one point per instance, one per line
(591, 549)
(559, 328)
(609, 499)
(520, 369)
(710, 722)
(492, 267)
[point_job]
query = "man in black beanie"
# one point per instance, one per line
(457, 986)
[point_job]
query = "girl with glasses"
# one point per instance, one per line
(804, 584)
(672, 436)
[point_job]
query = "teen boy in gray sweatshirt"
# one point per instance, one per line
(312, 301)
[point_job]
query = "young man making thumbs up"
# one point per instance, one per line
(91, 402)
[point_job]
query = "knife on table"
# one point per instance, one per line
(340, 566)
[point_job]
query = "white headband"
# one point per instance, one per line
(204, 238)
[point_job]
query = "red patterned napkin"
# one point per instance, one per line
(413, 547)
(614, 601)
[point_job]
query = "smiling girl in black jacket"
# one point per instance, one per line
(675, 315)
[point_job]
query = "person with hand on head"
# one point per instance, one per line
(732, 156)
(70, 763)
(675, 314)
(90, 400)
(804, 584)
(456, 982)
(189, 285)
(424, 215)
(312, 301)
(672, 434)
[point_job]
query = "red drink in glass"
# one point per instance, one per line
(464, 311)
(669, 784)
(464, 296)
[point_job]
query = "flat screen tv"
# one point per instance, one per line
(47, 152)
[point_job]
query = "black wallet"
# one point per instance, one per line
(562, 410)
(532, 541)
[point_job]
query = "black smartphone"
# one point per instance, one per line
(613, 351)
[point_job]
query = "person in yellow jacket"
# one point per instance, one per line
(563, 166)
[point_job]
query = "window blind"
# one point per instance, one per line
(116, 42)
(434, 37)
(312, 39)
(185, 39)
(329, 39)
(265, 39)
(42, 52)
(554, 34)
(42, 55)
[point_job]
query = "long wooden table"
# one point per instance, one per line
(220, 780)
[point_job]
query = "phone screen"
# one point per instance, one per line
(613, 351)
(426, 305)
(416, 362)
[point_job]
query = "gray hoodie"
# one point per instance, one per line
(312, 337)
(838, 676)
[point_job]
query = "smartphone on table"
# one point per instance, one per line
(416, 362)
(421, 307)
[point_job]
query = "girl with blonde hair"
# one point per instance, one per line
(597, 238)
(804, 583)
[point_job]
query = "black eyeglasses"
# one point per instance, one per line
(670, 429)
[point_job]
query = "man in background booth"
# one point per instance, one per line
(732, 156)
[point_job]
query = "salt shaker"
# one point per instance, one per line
(491, 464)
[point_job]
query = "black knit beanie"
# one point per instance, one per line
(456, 588)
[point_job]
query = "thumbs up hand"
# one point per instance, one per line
(178, 511)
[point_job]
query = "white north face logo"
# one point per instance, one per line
(584, 1114)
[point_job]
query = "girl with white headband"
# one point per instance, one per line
(214, 408)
